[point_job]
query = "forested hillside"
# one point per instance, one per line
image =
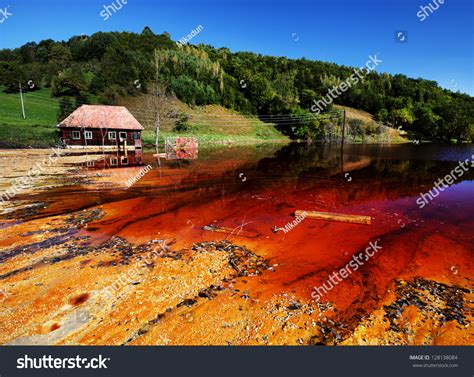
(108, 66)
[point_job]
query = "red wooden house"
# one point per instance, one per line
(112, 127)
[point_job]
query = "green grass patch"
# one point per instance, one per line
(40, 108)
(39, 127)
(148, 137)
(38, 136)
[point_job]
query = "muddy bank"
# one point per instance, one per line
(28, 171)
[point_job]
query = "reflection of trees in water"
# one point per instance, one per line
(299, 157)
(379, 166)
(355, 131)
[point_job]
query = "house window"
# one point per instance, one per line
(88, 135)
(136, 135)
(113, 161)
(124, 160)
(76, 135)
(123, 135)
(112, 135)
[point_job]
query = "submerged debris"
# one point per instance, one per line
(294, 306)
(242, 260)
(162, 249)
(209, 292)
(80, 219)
(118, 247)
(24, 212)
(443, 302)
(188, 302)
(34, 247)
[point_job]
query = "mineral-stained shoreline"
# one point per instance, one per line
(193, 295)
(65, 281)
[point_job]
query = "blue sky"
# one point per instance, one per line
(346, 32)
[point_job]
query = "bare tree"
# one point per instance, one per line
(156, 103)
(158, 100)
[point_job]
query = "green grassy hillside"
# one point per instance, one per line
(38, 129)
(369, 126)
(211, 123)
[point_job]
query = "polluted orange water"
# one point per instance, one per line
(228, 269)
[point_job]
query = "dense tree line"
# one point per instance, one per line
(113, 64)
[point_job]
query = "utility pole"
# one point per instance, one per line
(343, 129)
(22, 104)
(342, 144)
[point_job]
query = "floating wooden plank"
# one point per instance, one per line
(328, 216)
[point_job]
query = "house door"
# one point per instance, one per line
(137, 140)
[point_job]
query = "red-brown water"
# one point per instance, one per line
(259, 188)
(262, 187)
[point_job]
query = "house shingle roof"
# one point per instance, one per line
(101, 116)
